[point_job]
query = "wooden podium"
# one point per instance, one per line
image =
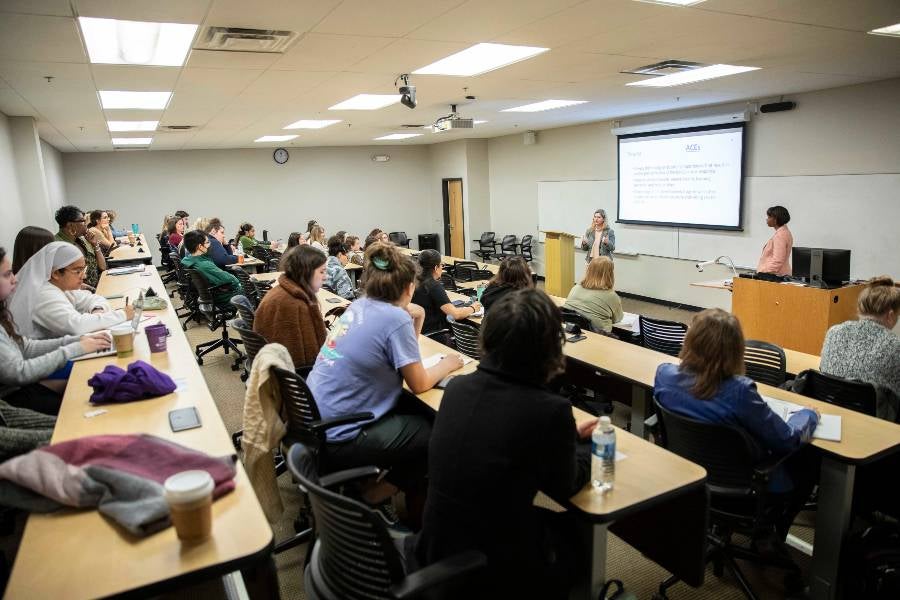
(792, 316)
(559, 262)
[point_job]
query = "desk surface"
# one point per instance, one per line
(78, 554)
(717, 284)
(450, 260)
(646, 473)
(125, 251)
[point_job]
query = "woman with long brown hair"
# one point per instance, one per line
(29, 240)
(513, 274)
(709, 385)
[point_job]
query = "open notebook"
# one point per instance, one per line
(829, 427)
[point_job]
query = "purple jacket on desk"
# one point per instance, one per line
(140, 381)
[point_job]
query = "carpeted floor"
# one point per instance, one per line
(641, 576)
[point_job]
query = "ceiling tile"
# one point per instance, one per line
(55, 8)
(288, 84)
(135, 78)
(405, 55)
(392, 18)
(317, 52)
(31, 77)
(13, 105)
(269, 14)
(215, 59)
(162, 11)
(34, 38)
(215, 82)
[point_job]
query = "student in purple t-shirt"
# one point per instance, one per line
(368, 354)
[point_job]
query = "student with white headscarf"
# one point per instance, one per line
(26, 369)
(49, 301)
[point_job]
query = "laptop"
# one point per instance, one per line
(135, 324)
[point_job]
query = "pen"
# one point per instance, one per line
(126, 300)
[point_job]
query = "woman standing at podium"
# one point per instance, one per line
(599, 239)
(776, 254)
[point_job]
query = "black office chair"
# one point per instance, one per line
(465, 338)
(253, 343)
(737, 478)
(458, 269)
(216, 317)
(508, 246)
(333, 315)
(487, 246)
(189, 309)
(448, 283)
(663, 336)
(269, 260)
(244, 308)
(846, 393)
(354, 556)
(525, 248)
(765, 363)
(165, 260)
(399, 238)
(575, 318)
(265, 235)
(251, 291)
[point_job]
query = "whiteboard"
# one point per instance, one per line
(856, 212)
(569, 206)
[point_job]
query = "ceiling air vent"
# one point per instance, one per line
(239, 39)
(666, 67)
(176, 127)
(411, 126)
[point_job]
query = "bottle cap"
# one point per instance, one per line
(605, 421)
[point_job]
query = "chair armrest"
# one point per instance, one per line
(440, 572)
(304, 371)
(320, 426)
(434, 333)
(348, 475)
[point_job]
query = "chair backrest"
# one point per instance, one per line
(847, 393)
(728, 453)
(663, 336)
(245, 309)
(265, 235)
(448, 282)
(251, 292)
(463, 269)
(575, 318)
(299, 407)
(262, 254)
(205, 301)
(525, 247)
(465, 336)
(333, 315)
(398, 237)
(765, 362)
(253, 341)
(508, 244)
(354, 557)
(164, 256)
(488, 238)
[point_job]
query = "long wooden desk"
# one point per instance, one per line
(452, 260)
(126, 253)
(78, 554)
(658, 504)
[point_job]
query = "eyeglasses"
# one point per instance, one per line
(77, 270)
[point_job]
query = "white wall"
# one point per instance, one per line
(10, 201)
(340, 187)
(54, 176)
(851, 130)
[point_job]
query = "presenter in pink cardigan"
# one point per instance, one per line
(776, 254)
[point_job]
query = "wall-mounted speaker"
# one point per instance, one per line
(777, 107)
(530, 138)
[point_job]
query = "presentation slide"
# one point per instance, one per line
(689, 178)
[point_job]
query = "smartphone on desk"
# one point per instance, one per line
(576, 338)
(182, 419)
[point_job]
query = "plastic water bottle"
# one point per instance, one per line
(240, 253)
(603, 455)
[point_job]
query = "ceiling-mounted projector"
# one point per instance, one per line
(452, 121)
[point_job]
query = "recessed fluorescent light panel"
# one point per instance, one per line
(545, 105)
(312, 123)
(275, 138)
(694, 75)
(478, 122)
(479, 59)
(891, 30)
(139, 100)
(131, 141)
(367, 102)
(114, 42)
(398, 136)
(132, 125)
(673, 2)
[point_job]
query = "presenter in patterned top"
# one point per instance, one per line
(776, 254)
(599, 239)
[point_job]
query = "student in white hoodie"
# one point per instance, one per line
(48, 301)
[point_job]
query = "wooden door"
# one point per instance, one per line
(455, 228)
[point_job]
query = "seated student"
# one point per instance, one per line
(197, 244)
(116, 232)
(309, 226)
(868, 349)
(336, 276)
(289, 313)
(219, 252)
(246, 237)
(432, 296)
(594, 296)
(26, 364)
(368, 354)
(175, 231)
(73, 229)
(49, 302)
(354, 250)
(709, 386)
(513, 274)
(483, 475)
(164, 232)
(296, 239)
(28, 241)
(317, 239)
(98, 224)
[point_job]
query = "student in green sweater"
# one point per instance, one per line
(197, 244)
(246, 237)
(594, 296)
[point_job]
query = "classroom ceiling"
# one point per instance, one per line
(347, 47)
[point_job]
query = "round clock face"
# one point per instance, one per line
(281, 156)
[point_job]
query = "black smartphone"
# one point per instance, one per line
(576, 338)
(184, 418)
(333, 300)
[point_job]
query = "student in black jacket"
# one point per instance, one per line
(499, 437)
(513, 274)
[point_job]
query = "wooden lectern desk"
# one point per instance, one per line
(559, 262)
(792, 316)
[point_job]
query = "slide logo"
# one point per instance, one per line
(692, 148)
